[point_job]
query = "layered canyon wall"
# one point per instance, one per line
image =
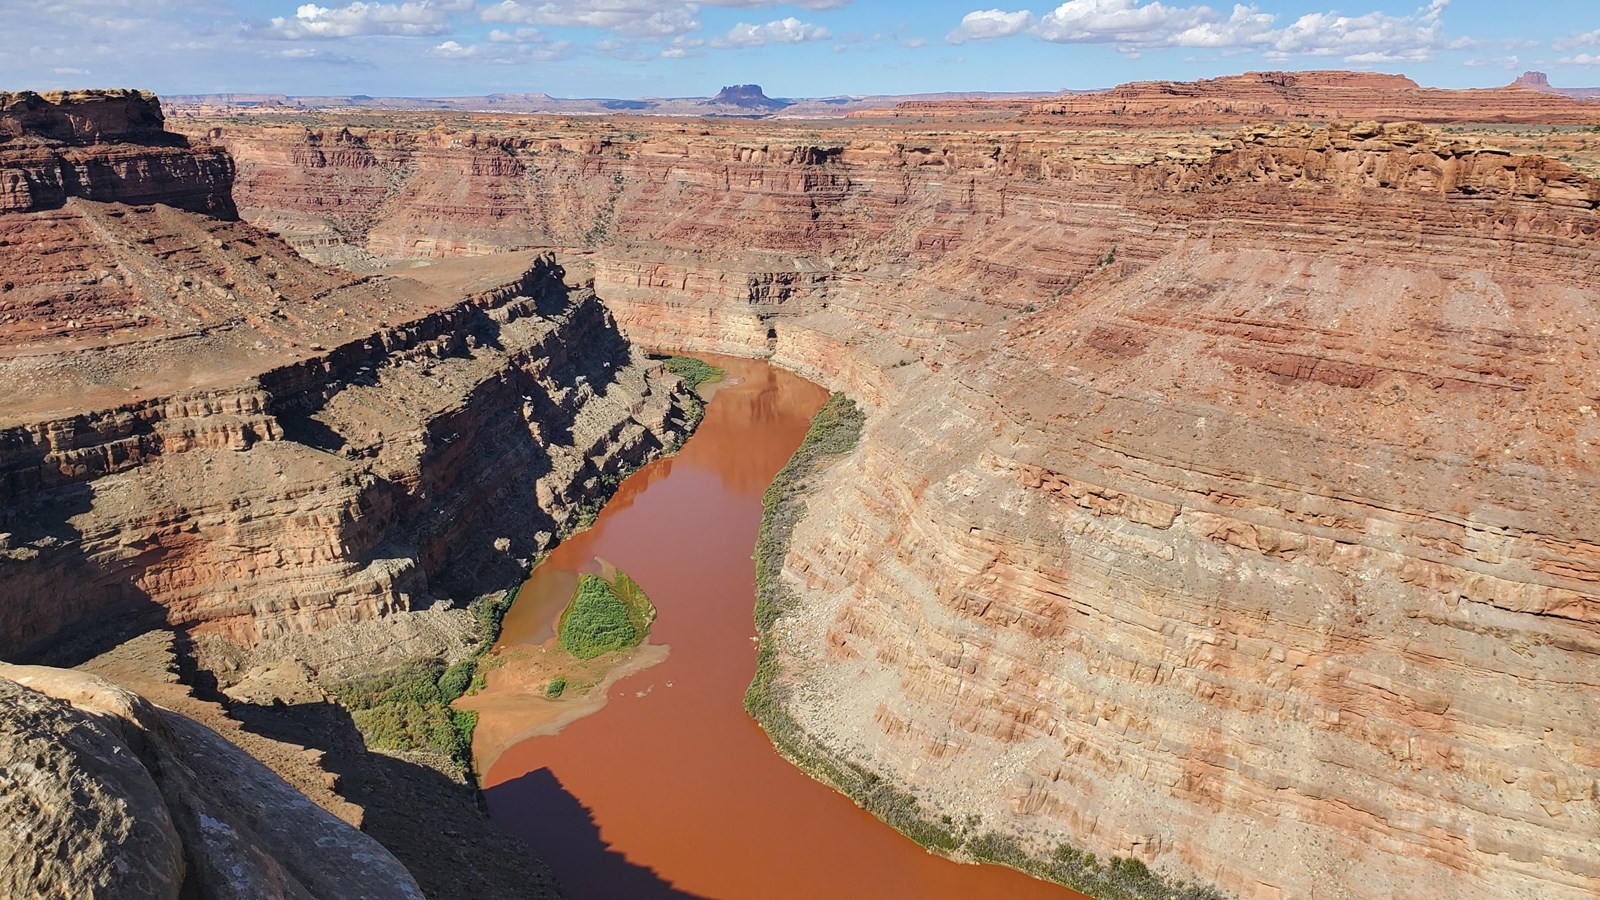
(109, 146)
(205, 430)
(1224, 503)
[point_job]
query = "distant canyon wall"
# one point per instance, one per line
(1225, 503)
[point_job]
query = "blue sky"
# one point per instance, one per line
(630, 48)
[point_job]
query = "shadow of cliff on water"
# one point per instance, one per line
(430, 822)
(540, 810)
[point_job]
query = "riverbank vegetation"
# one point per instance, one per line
(835, 431)
(407, 709)
(694, 372)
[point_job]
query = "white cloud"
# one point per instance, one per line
(1581, 59)
(452, 50)
(519, 36)
(1135, 25)
(635, 17)
(758, 4)
(1374, 37)
(501, 52)
(986, 24)
(413, 19)
(782, 31)
(1588, 39)
(683, 46)
(1497, 62)
(1120, 22)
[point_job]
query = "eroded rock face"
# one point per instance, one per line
(96, 823)
(82, 117)
(1226, 503)
(336, 488)
(109, 146)
(121, 799)
(202, 428)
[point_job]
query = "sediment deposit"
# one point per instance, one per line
(1226, 499)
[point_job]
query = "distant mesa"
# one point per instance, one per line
(1316, 96)
(81, 118)
(748, 96)
(1537, 81)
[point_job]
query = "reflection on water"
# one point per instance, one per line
(671, 790)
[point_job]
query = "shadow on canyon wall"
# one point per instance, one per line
(89, 606)
(470, 521)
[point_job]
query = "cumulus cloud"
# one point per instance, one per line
(986, 24)
(1374, 37)
(412, 19)
(758, 4)
(452, 50)
(634, 17)
(1120, 22)
(782, 31)
(1497, 62)
(1581, 59)
(1588, 39)
(1136, 25)
(518, 36)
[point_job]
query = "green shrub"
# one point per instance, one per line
(641, 612)
(456, 679)
(596, 621)
(556, 686)
(694, 372)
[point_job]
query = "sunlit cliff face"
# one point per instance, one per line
(1226, 499)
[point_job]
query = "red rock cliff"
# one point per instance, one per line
(109, 146)
(1224, 503)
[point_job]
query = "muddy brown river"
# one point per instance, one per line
(670, 790)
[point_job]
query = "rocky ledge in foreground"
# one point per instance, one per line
(122, 799)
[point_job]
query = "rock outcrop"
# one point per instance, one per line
(109, 146)
(122, 799)
(204, 429)
(349, 483)
(1225, 503)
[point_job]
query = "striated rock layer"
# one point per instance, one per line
(350, 483)
(203, 429)
(103, 145)
(1224, 503)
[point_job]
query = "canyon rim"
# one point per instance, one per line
(1220, 514)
